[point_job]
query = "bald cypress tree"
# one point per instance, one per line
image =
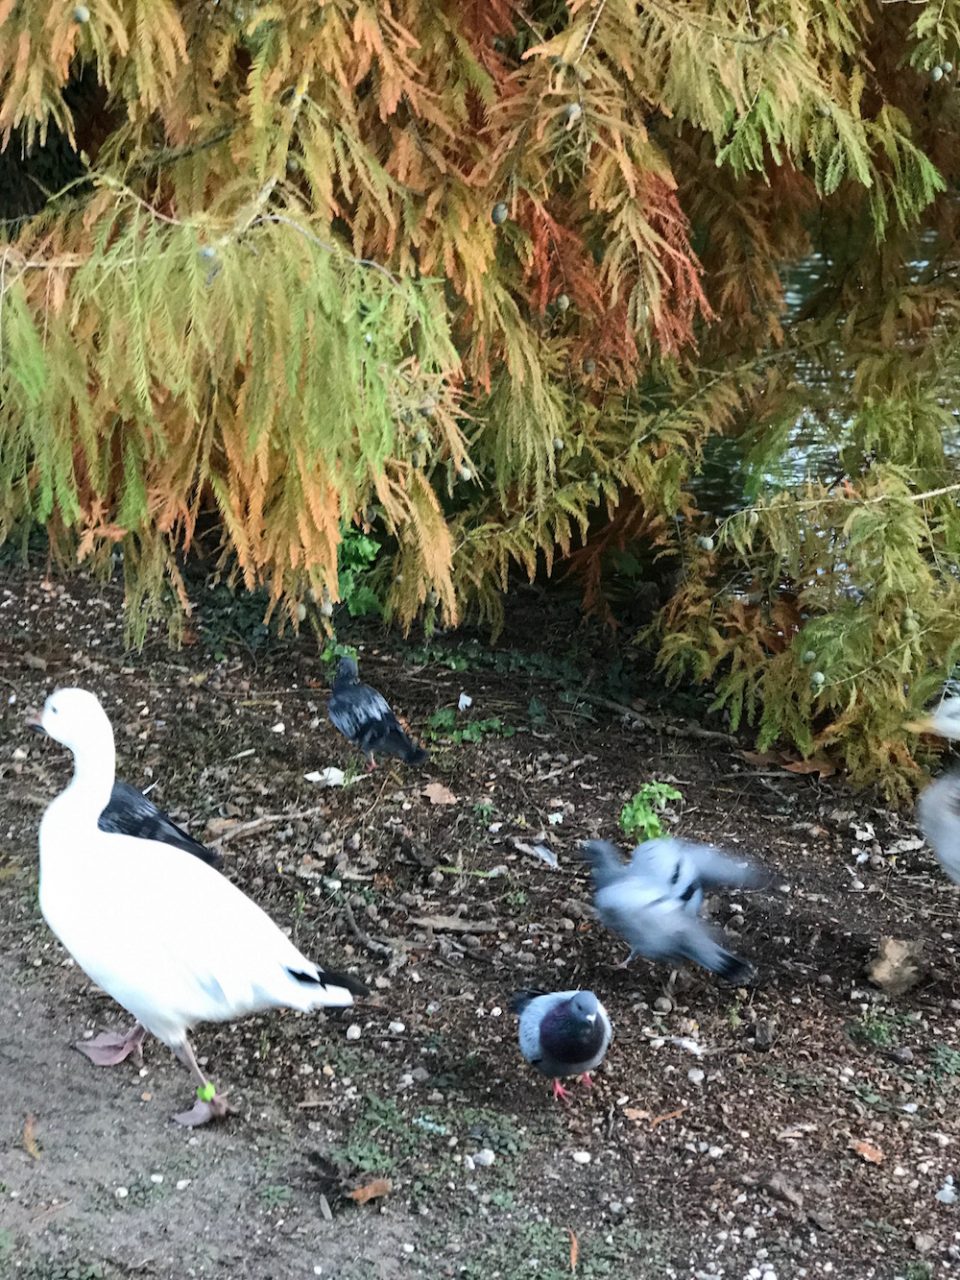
(493, 277)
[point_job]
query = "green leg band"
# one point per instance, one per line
(206, 1092)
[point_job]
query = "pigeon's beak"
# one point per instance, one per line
(591, 1017)
(33, 721)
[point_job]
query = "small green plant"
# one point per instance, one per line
(640, 818)
(356, 556)
(944, 1062)
(443, 725)
(380, 1138)
(333, 651)
(917, 1271)
(483, 811)
(875, 1029)
(230, 618)
(275, 1196)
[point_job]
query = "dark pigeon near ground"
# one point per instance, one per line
(130, 813)
(364, 718)
(653, 902)
(562, 1033)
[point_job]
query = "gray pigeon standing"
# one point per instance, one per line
(562, 1033)
(938, 809)
(654, 902)
(364, 718)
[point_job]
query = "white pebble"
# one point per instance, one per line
(353, 1031)
(947, 1193)
(484, 1158)
(396, 1028)
(582, 1157)
(121, 1193)
(183, 1184)
(156, 1179)
(279, 727)
(695, 1075)
(468, 1164)
(408, 1248)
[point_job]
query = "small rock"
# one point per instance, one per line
(616, 1208)
(923, 1243)
(353, 1031)
(183, 1184)
(420, 1074)
(663, 1004)
(695, 1075)
(468, 1164)
(947, 1193)
(582, 1157)
(156, 1179)
(902, 1054)
(484, 1158)
(396, 1028)
(122, 1192)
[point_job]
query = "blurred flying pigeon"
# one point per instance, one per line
(562, 1033)
(130, 813)
(364, 718)
(654, 902)
(938, 809)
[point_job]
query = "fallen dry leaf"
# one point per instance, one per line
(574, 1250)
(763, 757)
(29, 1140)
(634, 1113)
(656, 1121)
(371, 1190)
(816, 764)
(867, 1151)
(897, 966)
(437, 793)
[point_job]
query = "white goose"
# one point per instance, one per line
(168, 937)
(938, 809)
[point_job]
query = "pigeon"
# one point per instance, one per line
(364, 718)
(159, 930)
(562, 1033)
(130, 813)
(938, 809)
(654, 901)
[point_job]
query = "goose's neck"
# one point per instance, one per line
(94, 773)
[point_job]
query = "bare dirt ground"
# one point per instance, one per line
(802, 1128)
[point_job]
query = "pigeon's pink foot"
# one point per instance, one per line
(586, 1081)
(107, 1049)
(371, 764)
(202, 1112)
(560, 1093)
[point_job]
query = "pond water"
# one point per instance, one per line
(810, 448)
